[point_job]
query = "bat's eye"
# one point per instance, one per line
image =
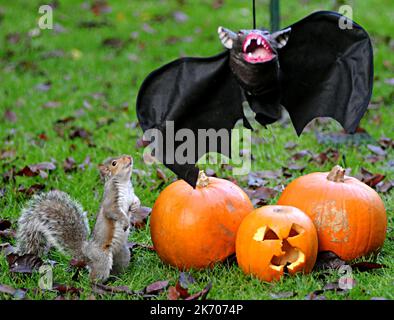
(114, 163)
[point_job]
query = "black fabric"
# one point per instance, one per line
(195, 93)
(324, 72)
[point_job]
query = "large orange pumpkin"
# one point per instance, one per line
(194, 228)
(275, 239)
(349, 216)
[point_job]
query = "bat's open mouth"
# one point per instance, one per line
(256, 49)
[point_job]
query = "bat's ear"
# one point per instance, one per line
(281, 37)
(227, 37)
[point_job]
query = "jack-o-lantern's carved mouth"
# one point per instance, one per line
(290, 257)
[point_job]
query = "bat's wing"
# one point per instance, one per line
(326, 71)
(194, 93)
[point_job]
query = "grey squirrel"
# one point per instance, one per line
(54, 219)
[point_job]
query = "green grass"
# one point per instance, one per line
(88, 68)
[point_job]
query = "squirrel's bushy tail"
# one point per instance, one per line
(52, 219)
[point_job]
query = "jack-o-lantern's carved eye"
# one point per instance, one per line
(276, 240)
(291, 256)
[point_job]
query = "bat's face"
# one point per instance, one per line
(254, 56)
(254, 46)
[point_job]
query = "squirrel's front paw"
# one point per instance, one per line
(126, 224)
(135, 205)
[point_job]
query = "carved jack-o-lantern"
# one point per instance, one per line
(273, 240)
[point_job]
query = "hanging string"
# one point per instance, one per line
(254, 14)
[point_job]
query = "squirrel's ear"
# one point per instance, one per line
(103, 170)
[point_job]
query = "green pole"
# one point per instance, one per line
(275, 18)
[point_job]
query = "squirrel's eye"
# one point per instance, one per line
(114, 163)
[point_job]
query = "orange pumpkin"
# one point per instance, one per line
(275, 239)
(194, 228)
(349, 216)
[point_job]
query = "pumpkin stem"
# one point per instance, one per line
(202, 180)
(337, 174)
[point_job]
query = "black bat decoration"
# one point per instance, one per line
(313, 68)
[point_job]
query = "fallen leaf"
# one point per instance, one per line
(31, 190)
(255, 181)
(139, 217)
(4, 154)
(186, 279)
(10, 116)
(367, 266)
(13, 38)
(282, 295)
(295, 167)
(325, 156)
(98, 7)
(301, 154)
(105, 289)
(6, 248)
(156, 287)
(23, 264)
(9, 175)
(5, 224)
(63, 289)
(57, 53)
(290, 145)
(147, 28)
(386, 143)
(173, 293)
(78, 132)
(16, 293)
(384, 186)
(7, 234)
(389, 81)
(369, 178)
(316, 295)
(217, 4)
(161, 175)
(202, 295)
(373, 158)
(89, 25)
(36, 169)
(210, 172)
(180, 16)
(114, 43)
(69, 165)
(377, 150)
(65, 120)
(261, 195)
(42, 136)
(45, 86)
(86, 163)
(340, 138)
(332, 286)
